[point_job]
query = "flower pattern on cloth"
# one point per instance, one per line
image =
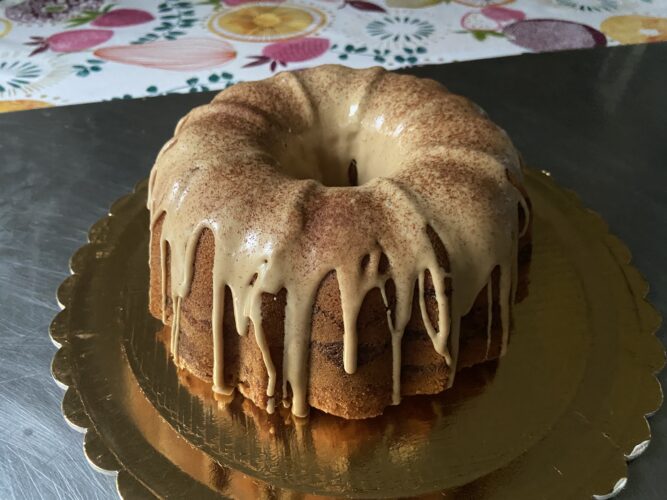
(264, 22)
(55, 52)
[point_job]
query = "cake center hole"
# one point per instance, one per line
(352, 179)
(338, 157)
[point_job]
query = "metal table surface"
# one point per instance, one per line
(596, 119)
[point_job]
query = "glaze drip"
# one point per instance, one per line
(251, 167)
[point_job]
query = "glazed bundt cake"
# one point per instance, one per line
(336, 238)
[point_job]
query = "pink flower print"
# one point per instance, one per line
(299, 50)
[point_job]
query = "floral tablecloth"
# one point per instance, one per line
(56, 52)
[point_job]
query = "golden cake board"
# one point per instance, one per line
(557, 417)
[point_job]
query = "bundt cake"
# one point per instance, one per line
(336, 238)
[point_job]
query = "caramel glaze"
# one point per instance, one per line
(264, 167)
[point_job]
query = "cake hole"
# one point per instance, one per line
(336, 153)
(364, 262)
(352, 177)
(253, 279)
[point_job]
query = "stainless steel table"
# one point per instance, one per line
(596, 119)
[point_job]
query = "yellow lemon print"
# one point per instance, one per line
(267, 22)
(22, 104)
(5, 27)
(635, 29)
